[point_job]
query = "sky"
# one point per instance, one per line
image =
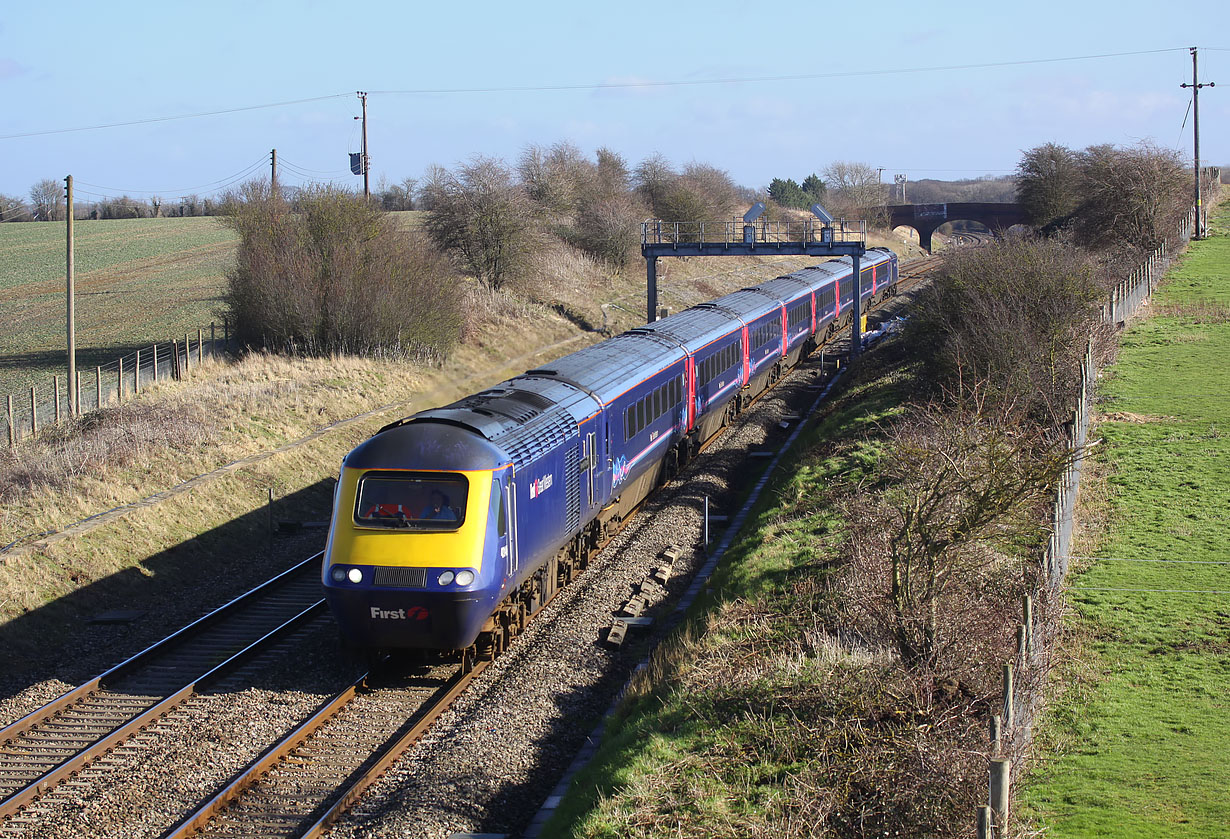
(928, 90)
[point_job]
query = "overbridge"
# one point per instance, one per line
(926, 218)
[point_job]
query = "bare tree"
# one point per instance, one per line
(956, 498)
(653, 178)
(1131, 196)
(483, 217)
(556, 177)
(47, 200)
(1048, 183)
(854, 189)
(13, 209)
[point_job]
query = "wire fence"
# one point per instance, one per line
(1011, 729)
(44, 406)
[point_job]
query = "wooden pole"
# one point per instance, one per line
(136, 374)
(12, 428)
(154, 352)
(1008, 715)
(999, 794)
(77, 392)
(33, 412)
(98, 387)
(213, 340)
(71, 294)
(175, 360)
(985, 822)
(187, 355)
(200, 347)
(55, 385)
(119, 382)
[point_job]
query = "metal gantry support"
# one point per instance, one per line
(821, 235)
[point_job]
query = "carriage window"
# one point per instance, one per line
(411, 500)
(498, 511)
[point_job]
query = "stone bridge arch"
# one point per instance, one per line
(926, 218)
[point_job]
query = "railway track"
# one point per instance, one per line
(297, 787)
(50, 745)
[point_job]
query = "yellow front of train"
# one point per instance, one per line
(418, 541)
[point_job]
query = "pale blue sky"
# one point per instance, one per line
(73, 64)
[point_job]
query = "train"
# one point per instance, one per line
(452, 526)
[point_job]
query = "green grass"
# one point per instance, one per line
(137, 281)
(1144, 738)
(754, 721)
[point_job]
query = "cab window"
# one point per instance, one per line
(411, 500)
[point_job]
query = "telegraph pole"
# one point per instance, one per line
(362, 94)
(273, 174)
(72, 313)
(1195, 86)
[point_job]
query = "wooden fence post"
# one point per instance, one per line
(1008, 703)
(136, 374)
(213, 340)
(154, 351)
(200, 347)
(1000, 785)
(187, 371)
(119, 382)
(1028, 616)
(997, 733)
(98, 387)
(55, 385)
(985, 823)
(12, 428)
(175, 360)
(33, 412)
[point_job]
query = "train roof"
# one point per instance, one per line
(691, 328)
(614, 366)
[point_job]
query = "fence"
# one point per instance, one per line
(1023, 678)
(28, 413)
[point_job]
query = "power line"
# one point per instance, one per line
(148, 120)
(785, 78)
(599, 86)
(247, 170)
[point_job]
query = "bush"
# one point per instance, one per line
(484, 218)
(333, 274)
(1008, 323)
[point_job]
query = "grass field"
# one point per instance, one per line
(138, 281)
(1142, 728)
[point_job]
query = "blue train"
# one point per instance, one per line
(453, 525)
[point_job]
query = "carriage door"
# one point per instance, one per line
(507, 523)
(589, 463)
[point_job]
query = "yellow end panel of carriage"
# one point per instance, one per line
(461, 548)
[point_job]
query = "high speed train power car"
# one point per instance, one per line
(449, 527)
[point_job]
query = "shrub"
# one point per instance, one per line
(1009, 322)
(483, 218)
(333, 274)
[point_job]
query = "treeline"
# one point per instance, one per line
(326, 271)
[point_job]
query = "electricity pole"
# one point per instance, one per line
(273, 174)
(362, 94)
(71, 315)
(1195, 86)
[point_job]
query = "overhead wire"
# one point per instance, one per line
(631, 85)
(229, 179)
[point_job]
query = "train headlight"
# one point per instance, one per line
(445, 578)
(338, 574)
(464, 578)
(355, 575)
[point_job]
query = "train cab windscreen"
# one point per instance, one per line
(411, 500)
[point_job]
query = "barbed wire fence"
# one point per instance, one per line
(1011, 729)
(48, 404)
